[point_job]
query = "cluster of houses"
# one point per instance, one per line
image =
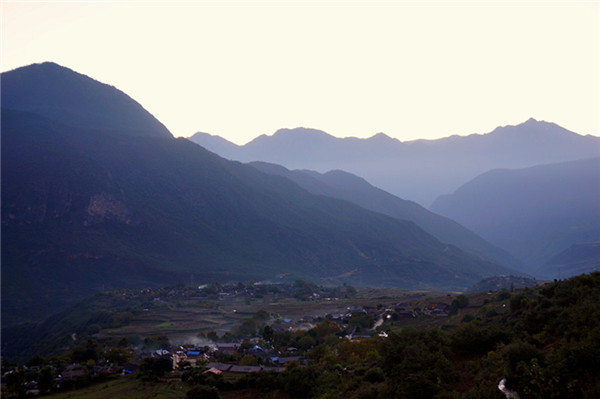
(67, 374)
(186, 356)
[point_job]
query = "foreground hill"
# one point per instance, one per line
(418, 170)
(535, 213)
(346, 186)
(86, 209)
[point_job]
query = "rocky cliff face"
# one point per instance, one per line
(104, 207)
(56, 201)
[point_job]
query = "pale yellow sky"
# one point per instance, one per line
(408, 69)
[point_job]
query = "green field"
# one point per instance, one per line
(183, 314)
(182, 320)
(128, 388)
(132, 388)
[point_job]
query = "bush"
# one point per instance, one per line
(374, 374)
(156, 367)
(518, 352)
(462, 301)
(203, 392)
(517, 302)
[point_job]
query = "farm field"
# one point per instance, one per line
(183, 319)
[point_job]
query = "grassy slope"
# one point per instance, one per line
(128, 388)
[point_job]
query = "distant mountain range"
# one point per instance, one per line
(533, 217)
(346, 186)
(96, 194)
(418, 170)
(534, 213)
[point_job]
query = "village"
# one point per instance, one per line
(264, 342)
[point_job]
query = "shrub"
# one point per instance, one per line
(374, 374)
(203, 392)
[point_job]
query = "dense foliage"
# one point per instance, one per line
(546, 345)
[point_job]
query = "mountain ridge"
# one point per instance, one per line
(343, 185)
(419, 170)
(533, 212)
(77, 100)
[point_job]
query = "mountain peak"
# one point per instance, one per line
(381, 137)
(61, 94)
(301, 131)
(532, 128)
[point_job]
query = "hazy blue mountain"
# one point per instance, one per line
(217, 144)
(349, 187)
(418, 170)
(85, 209)
(534, 213)
(577, 259)
(66, 96)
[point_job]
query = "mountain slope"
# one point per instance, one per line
(577, 259)
(82, 211)
(342, 185)
(535, 212)
(66, 96)
(217, 144)
(86, 209)
(418, 170)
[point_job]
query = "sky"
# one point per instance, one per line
(353, 69)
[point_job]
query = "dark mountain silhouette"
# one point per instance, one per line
(418, 170)
(63, 95)
(534, 213)
(346, 186)
(85, 209)
(577, 259)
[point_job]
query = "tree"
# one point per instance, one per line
(36, 360)
(374, 375)
(46, 380)
(157, 342)
(261, 315)
(304, 289)
(246, 344)
(461, 301)
(15, 381)
(249, 360)
(324, 329)
(116, 355)
(212, 335)
(156, 367)
(299, 382)
(247, 328)
(349, 291)
(267, 333)
(306, 342)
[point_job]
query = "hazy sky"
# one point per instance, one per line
(410, 70)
